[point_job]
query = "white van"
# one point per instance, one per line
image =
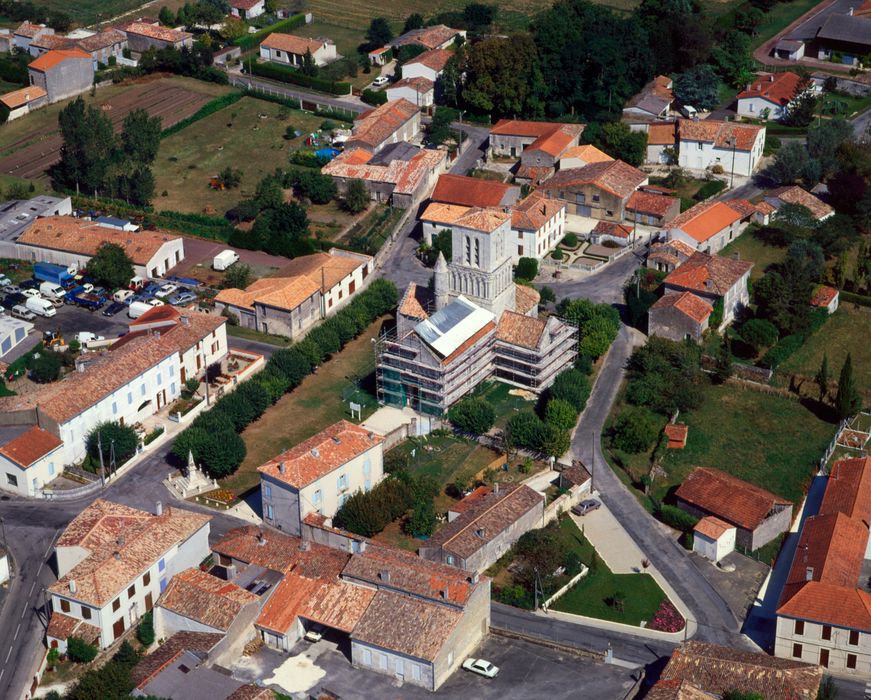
(224, 259)
(689, 111)
(40, 306)
(137, 308)
(51, 290)
(122, 295)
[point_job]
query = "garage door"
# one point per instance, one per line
(584, 210)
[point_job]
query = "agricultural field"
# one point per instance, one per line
(32, 144)
(87, 12)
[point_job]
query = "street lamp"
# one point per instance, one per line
(733, 142)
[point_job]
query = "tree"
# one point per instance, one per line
(802, 107)
(472, 415)
(789, 164)
(723, 362)
(145, 632)
(847, 400)
(699, 87)
(111, 266)
(238, 276)
(571, 386)
(166, 17)
(320, 189)
(222, 453)
(666, 376)
(412, 22)
(560, 414)
(45, 366)
(527, 269)
(742, 695)
(619, 141)
(80, 651)
(379, 32)
(733, 60)
(87, 150)
(477, 16)
(356, 197)
(635, 430)
(111, 682)
(547, 295)
(503, 77)
(126, 654)
(309, 67)
(759, 334)
(269, 194)
(140, 137)
(822, 377)
(422, 521)
(111, 437)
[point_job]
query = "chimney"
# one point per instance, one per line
(370, 435)
(749, 85)
(481, 532)
(282, 468)
(809, 573)
(158, 508)
(185, 321)
(117, 556)
(120, 541)
(156, 334)
(73, 587)
(362, 544)
(261, 540)
(336, 439)
(771, 78)
(304, 546)
(446, 593)
(384, 575)
(850, 12)
(315, 452)
(475, 577)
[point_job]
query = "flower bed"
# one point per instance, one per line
(184, 406)
(222, 495)
(667, 618)
(153, 435)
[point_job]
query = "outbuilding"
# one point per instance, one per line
(713, 538)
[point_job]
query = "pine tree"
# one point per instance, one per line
(847, 399)
(822, 378)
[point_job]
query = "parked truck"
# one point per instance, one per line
(57, 274)
(224, 259)
(87, 300)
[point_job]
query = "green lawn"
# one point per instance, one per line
(505, 403)
(447, 458)
(751, 248)
(315, 404)
(846, 331)
(779, 17)
(251, 334)
(750, 435)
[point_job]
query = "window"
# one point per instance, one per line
(161, 565)
(342, 483)
(86, 613)
(172, 388)
(65, 605)
(131, 591)
(699, 145)
(269, 512)
(267, 490)
(796, 651)
(854, 638)
(468, 250)
(450, 559)
(827, 632)
(116, 604)
(129, 397)
(142, 390)
(146, 579)
(520, 250)
(477, 253)
(11, 479)
(367, 466)
(824, 658)
(367, 484)
(367, 657)
(114, 408)
(159, 379)
(799, 627)
(851, 661)
(171, 371)
(162, 584)
(51, 468)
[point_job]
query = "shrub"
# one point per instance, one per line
(274, 383)
(45, 366)
(374, 97)
(553, 441)
(256, 395)
(126, 654)
(677, 518)
(368, 512)
(572, 387)
(249, 41)
(222, 453)
(570, 240)
(422, 521)
(759, 333)
(287, 75)
(472, 415)
(396, 461)
(560, 414)
(780, 352)
(145, 632)
(80, 651)
(527, 269)
(105, 435)
(238, 409)
(557, 254)
(192, 384)
(635, 430)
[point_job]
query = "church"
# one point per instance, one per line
(475, 324)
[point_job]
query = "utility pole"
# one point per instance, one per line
(3, 530)
(102, 466)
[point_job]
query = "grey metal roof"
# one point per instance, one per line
(449, 328)
(401, 150)
(809, 29)
(848, 29)
(186, 678)
(788, 45)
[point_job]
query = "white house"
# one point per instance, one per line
(429, 64)
(768, 96)
(247, 9)
(537, 224)
(291, 50)
(713, 538)
(704, 143)
(27, 32)
(319, 474)
(419, 91)
(29, 459)
(113, 563)
(21, 102)
(65, 240)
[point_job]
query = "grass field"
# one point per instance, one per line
(86, 12)
(751, 248)
(505, 403)
(846, 331)
(747, 434)
(248, 135)
(446, 458)
(311, 407)
(779, 17)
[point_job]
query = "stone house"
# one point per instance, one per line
(704, 143)
(797, 196)
(290, 50)
(487, 528)
(389, 123)
(679, 316)
(758, 515)
(661, 142)
(62, 73)
(770, 91)
(438, 36)
(713, 278)
(599, 190)
(539, 145)
(142, 36)
(30, 457)
(653, 206)
(666, 256)
(26, 32)
(319, 474)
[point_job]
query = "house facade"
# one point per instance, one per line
(714, 279)
(290, 50)
(708, 226)
(30, 458)
(429, 64)
(319, 474)
(142, 36)
(768, 96)
(511, 137)
(62, 73)
(538, 224)
(704, 143)
(113, 563)
(417, 90)
(599, 190)
(247, 9)
(679, 316)
(26, 32)
(653, 206)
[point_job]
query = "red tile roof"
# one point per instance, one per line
(611, 228)
(253, 545)
(429, 37)
(615, 176)
(823, 296)
(30, 446)
(551, 137)
(243, 4)
(712, 527)
(728, 497)
(687, 303)
(153, 31)
(706, 219)
(321, 454)
(661, 134)
(292, 44)
(526, 298)
(719, 133)
(18, 98)
(415, 302)
(649, 203)
(535, 211)
(374, 127)
(796, 195)
(434, 59)
(51, 59)
(418, 83)
(778, 88)
(677, 434)
(471, 191)
(848, 489)
(203, 598)
(708, 274)
(29, 30)
(519, 329)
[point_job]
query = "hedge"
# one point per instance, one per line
(211, 107)
(213, 438)
(344, 116)
(250, 40)
(709, 189)
(288, 75)
(854, 298)
(677, 518)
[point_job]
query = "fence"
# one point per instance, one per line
(308, 102)
(562, 591)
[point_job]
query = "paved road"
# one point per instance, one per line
(605, 286)
(708, 609)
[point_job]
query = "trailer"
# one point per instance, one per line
(56, 274)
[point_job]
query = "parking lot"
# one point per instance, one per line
(526, 671)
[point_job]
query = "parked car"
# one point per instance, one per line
(31, 293)
(314, 634)
(22, 312)
(11, 289)
(166, 289)
(87, 287)
(114, 308)
(11, 300)
(29, 284)
(122, 294)
(182, 298)
(586, 506)
(4, 281)
(481, 667)
(154, 302)
(380, 81)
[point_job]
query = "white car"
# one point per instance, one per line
(88, 337)
(380, 81)
(167, 289)
(154, 302)
(481, 667)
(31, 293)
(315, 634)
(4, 281)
